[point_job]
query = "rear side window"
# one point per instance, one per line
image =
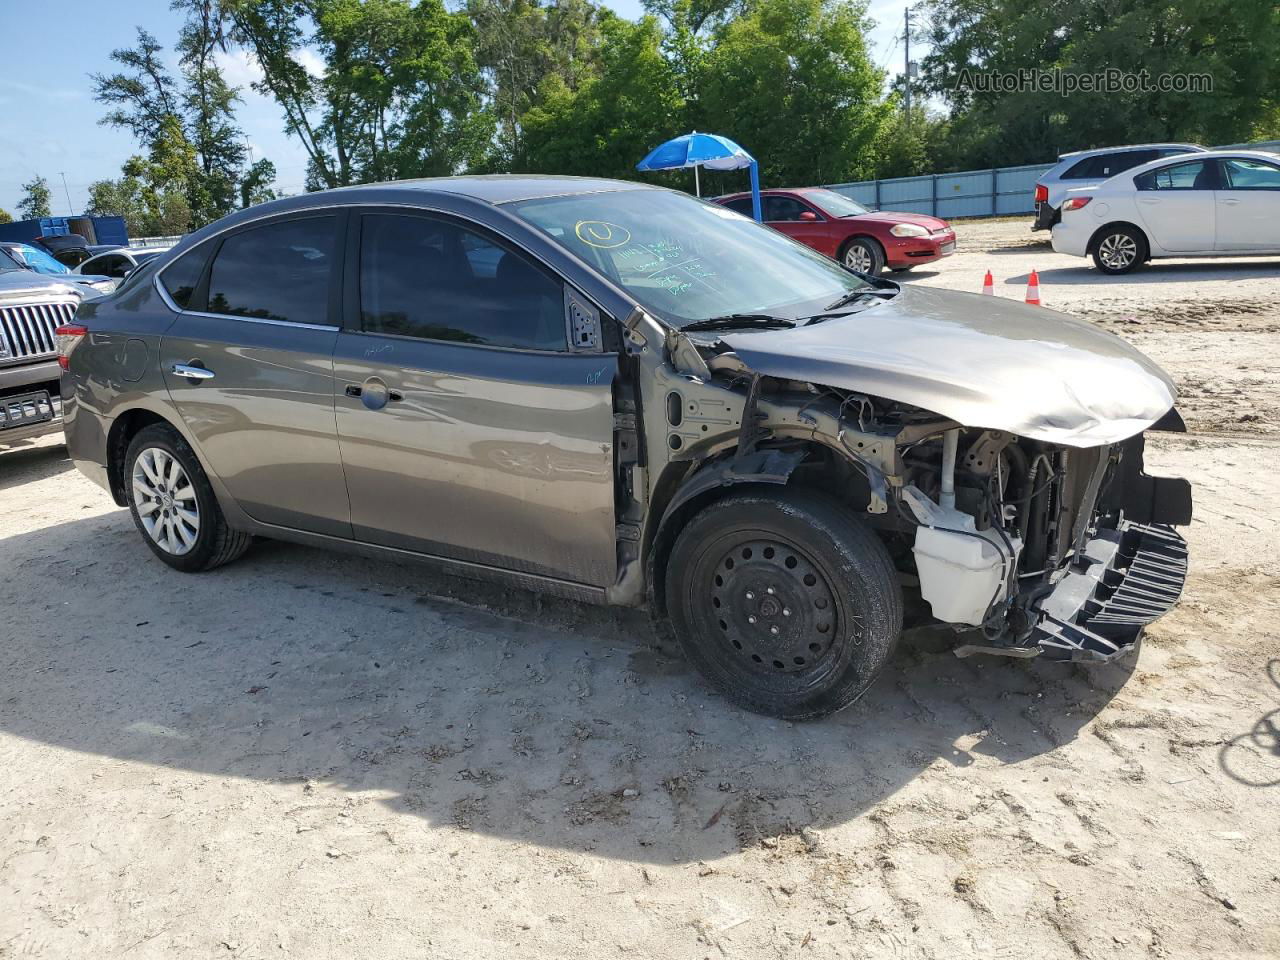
(1197, 175)
(1107, 165)
(181, 277)
(437, 280)
(783, 209)
(741, 205)
(111, 265)
(279, 271)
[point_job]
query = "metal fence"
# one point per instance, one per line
(973, 193)
(155, 241)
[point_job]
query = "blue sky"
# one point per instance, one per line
(49, 119)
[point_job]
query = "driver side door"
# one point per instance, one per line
(1176, 204)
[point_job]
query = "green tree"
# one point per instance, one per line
(792, 82)
(401, 94)
(255, 185)
(119, 198)
(209, 107)
(611, 120)
(35, 199)
(5, 216)
(519, 46)
(1236, 44)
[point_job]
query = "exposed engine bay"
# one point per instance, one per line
(1029, 546)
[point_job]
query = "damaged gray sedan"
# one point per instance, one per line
(624, 395)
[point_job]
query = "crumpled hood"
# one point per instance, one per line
(978, 360)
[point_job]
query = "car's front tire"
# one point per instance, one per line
(785, 601)
(1119, 249)
(864, 255)
(173, 504)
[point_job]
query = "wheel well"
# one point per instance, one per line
(1097, 234)
(861, 236)
(123, 429)
(821, 470)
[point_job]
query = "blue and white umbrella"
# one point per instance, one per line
(704, 150)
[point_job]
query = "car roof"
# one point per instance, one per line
(1174, 161)
(1076, 154)
(498, 188)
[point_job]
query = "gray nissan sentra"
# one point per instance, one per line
(622, 394)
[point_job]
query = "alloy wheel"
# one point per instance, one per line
(165, 501)
(1118, 251)
(858, 257)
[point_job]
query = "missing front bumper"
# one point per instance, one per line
(1130, 577)
(1124, 579)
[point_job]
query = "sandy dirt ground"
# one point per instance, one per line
(309, 755)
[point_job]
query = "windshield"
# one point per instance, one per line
(38, 260)
(687, 260)
(836, 204)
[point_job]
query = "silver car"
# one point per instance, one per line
(1088, 168)
(625, 395)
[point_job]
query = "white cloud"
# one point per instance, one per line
(311, 61)
(239, 67)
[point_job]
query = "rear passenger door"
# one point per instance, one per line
(1176, 204)
(249, 365)
(469, 429)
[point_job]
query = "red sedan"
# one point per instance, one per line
(847, 231)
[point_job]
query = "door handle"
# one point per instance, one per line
(355, 391)
(1231, 200)
(1148, 199)
(192, 372)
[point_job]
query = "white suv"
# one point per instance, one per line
(1087, 168)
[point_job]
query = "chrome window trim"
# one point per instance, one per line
(169, 302)
(536, 351)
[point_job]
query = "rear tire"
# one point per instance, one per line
(863, 255)
(786, 602)
(1119, 250)
(173, 504)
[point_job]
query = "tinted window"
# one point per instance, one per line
(1197, 175)
(181, 276)
(111, 265)
(1107, 165)
(434, 279)
(741, 205)
(279, 271)
(782, 208)
(1244, 174)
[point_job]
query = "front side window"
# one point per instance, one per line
(438, 280)
(1196, 175)
(684, 259)
(1242, 174)
(278, 271)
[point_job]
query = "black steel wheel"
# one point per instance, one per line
(786, 602)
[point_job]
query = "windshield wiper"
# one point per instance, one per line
(854, 295)
(736, 320)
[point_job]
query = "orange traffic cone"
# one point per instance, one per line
(988, 285)
(1033, 289)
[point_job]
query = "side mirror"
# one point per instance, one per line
(808, 216)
